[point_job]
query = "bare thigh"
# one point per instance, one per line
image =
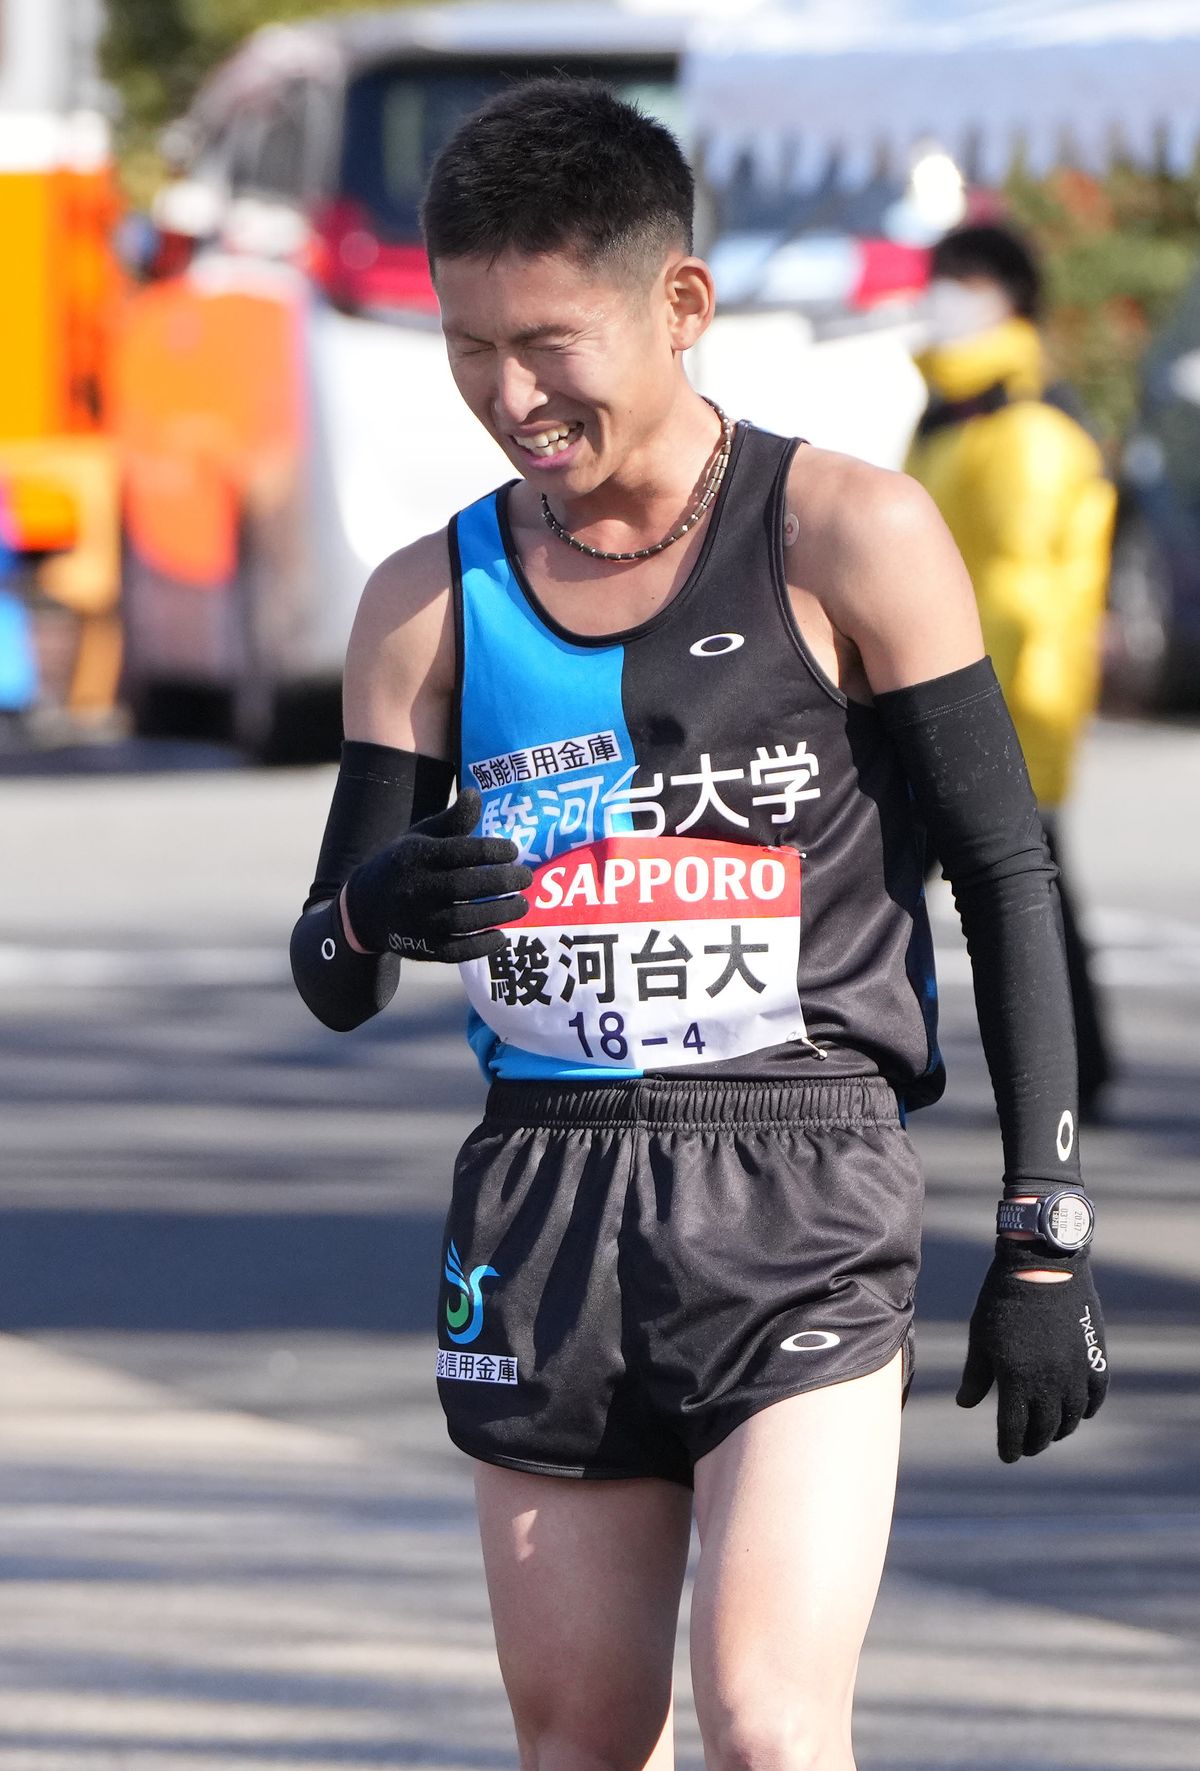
(794, 1510)
(584, 1580)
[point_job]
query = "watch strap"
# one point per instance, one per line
(1014, 1215)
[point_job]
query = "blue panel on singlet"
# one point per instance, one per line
(525, 687)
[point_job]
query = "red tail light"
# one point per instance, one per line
(887, 269)
(358, 270)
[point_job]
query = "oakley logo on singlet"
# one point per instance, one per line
(464, 1314)
(811, 1340)
(717, 645)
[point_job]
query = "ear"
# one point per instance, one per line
(691, 301)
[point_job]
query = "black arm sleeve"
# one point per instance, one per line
(956, 742)
(380, 793)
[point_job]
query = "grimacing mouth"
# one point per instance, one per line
(551, 440)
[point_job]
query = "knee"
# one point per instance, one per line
(774, 1737)
(566, 1746)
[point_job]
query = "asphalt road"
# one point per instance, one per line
(232, 1532)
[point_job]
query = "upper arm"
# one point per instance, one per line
(398, 687)
(891, 578)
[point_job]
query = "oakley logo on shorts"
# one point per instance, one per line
(464, 1313)
(811, 1340)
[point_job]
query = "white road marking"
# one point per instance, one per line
(147, 968)
(1132, 948)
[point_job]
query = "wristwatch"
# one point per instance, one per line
(1064, 1221)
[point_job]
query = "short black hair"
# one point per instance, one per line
(991, 250)
(560, 165)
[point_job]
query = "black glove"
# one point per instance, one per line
(1041, 1343)
(438, 892)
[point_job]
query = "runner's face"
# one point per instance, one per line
(569, 369)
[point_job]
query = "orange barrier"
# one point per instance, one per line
(208, 408)
(58, 302)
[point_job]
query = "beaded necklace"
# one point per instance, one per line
(712, 485)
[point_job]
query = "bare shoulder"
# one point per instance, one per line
(399, 679)
(852, 513)
(872, 548)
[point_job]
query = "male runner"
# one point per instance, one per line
(691, 680)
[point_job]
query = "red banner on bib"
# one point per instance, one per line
(663, 879)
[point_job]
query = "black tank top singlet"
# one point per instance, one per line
(728, 876)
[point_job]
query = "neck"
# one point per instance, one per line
(656, 486)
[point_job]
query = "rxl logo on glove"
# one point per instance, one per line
(1095, 1351)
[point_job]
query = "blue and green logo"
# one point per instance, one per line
(468, 1306)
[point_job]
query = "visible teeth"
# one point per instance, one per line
(551, 442)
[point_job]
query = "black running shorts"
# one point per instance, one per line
(632, 1270)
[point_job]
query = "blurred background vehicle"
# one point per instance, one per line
(283, 407)
(1153, 641)
(59, 630)
(285, 411)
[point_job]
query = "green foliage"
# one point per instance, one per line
(1118, 252)
(219, 25)
(156, 53)
(150, 54)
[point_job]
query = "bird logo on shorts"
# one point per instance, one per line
(470, 1302)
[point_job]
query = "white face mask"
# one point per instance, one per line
(953, 310)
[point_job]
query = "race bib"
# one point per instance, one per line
(648, 952)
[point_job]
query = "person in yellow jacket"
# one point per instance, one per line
(1007, 456)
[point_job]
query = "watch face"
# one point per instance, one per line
(1069, 1220)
